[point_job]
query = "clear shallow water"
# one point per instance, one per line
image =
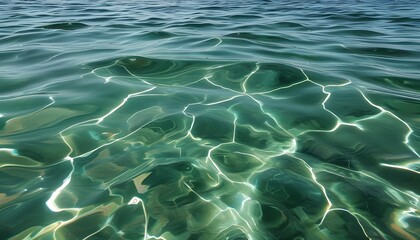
(209, 120)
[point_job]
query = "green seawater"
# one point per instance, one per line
(209, 120)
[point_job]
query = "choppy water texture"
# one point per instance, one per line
(209, 119)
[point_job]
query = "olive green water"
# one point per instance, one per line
(209, 119)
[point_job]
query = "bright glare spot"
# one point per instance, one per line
(134, 200)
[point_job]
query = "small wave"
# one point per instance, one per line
(65, 26)
(359, 33)
(385, 51)
(258, 37)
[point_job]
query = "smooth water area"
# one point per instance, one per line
(190, 119)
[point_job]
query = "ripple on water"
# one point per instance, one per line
(65, 26)
(209, 120)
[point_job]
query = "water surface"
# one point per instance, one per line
(209, 119)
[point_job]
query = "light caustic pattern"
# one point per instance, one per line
(219, 150)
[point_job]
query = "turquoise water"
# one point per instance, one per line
(209, 119)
